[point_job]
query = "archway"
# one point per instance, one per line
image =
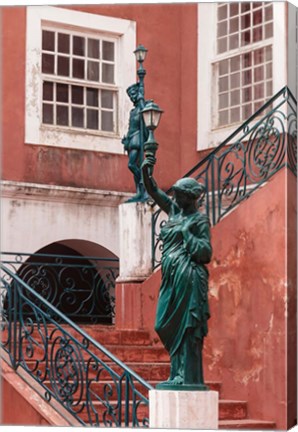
(77, 277)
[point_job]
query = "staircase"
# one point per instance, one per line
(151, 361)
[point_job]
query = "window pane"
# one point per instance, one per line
(223, 117)
(245, 21)
(268, 53)
(63, 66)
(235, 80)
(63, 43)
(235, 97)
(92, 119)
(222, 28)
(235, 115)
(48, 91)
(92, 97)
(247, 94)
(77, 117)
(259, 91)
(78, 68)
(62, 92)
(269, 71)
(62, 115)
(93, 48)
(107, 73)
(47, 114)
(108, 50)
(107, 99)
(107, 121)
(245, 38)
(235, 64)
(245, 7)
(224, 100)
(269, 88)
(222, 12)
(247, 111)
(78, 46)
(48, 63)
(234, 42)
(222, 45)
(48, 40)
(234, 8)
(257, 17)
(259, 73)
(234, 25)
(258, 105)
(269, 13)
(223, 84)
(268, 30)
(257, 34)
(93, 71)
(247, 60)
(77, 95)
(246, 77)
(224, 67)
(259, 56)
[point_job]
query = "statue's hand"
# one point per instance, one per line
(149, 162)
(125, 142)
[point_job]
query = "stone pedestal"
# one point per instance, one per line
(170, 409)
(135, 242)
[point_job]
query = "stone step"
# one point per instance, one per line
(105, 335)
(235, 409)
(246, 424)
(99, 387)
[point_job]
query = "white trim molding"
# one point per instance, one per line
(124, 31)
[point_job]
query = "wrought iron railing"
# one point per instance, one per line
(247, 159)
(69, 366)
(83, 288)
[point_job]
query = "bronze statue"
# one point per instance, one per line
(182, 310)
(134, 140)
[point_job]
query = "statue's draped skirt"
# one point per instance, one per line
(183, 301)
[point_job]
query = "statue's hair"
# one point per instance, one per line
(190, 187)
(133, 86)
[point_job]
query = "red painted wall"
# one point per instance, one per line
(170, 33)
(252, 293)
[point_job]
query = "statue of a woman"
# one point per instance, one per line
(182, 310)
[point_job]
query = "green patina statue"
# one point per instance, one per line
(134, 140)
(182, 311)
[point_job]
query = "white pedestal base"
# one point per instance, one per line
(170, 409)
(135, 242)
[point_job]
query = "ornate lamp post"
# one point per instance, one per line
(151, 115)
(143, 120)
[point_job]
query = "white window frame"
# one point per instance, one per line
(209, 137)
(125, 75)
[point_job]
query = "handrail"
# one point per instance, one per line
(245, 160)
(88, 281)
(68, 365)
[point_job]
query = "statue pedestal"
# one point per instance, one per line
(170, 409)
(135, 263)
(135, 242)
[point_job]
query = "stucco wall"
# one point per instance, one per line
(171, 65)
(33, 218)
(252, 303)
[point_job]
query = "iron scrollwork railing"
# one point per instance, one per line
(247, 159)
(82, 288)
(69, 366)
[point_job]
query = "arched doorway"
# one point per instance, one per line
(79, 284)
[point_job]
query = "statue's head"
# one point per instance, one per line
(188, 189)
(133, 92)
